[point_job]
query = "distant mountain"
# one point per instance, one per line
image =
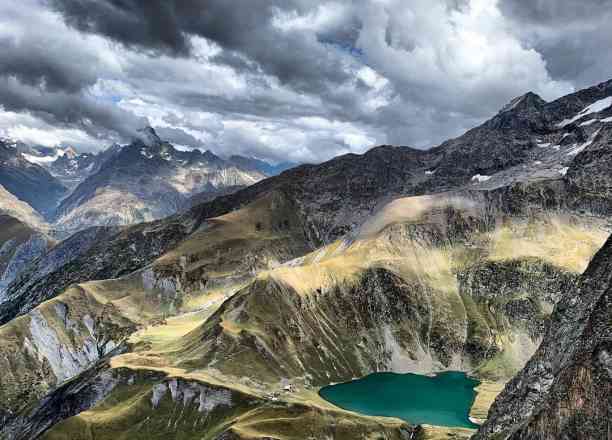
(146, 180)
(11, 205)
(28, 181)
(23, 238)
(192, 177)
(210, 194)
(260, 165)
(72, 168)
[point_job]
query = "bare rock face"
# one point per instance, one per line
(71, 398)
(517, 294)
(20, 244)
(564, 390)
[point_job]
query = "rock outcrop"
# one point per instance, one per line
(564, 390)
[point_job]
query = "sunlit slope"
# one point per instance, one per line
(259, 236)
(146, 405)
(153, 306)
(427, 284)
(416, 294)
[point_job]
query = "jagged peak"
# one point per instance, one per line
(209, 155)
(148, 136)
(526, 101)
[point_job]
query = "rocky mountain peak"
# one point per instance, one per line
(149, 137)
(528, 101)
(210, 156)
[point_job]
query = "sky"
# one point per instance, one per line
(279, 80)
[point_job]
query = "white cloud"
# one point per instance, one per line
(410, 73)
(463, 61)
(32, 130)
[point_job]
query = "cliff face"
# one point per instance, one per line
(564, 390)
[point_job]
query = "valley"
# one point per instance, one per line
(486, 257)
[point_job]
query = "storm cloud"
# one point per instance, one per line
(282, 80)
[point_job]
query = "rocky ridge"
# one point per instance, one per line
(146, 180)
(564, 390)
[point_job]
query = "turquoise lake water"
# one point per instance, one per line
(443, 400)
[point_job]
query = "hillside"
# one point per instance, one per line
(224, 321)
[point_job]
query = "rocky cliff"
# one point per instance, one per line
(564, 390)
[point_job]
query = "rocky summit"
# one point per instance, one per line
(214, 298)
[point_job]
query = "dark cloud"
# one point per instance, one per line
(35, 63)
(556, 12)
(179, 137)
(289, 79)
(242, 27)
(147, 24)
(99, 119)
(572, 36)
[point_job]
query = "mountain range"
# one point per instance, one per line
(142, 181)
(221, 316)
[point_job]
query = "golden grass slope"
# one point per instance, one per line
(224, 269)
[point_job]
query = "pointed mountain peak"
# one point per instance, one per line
(210, 156)
(527, 101)
(148, 136)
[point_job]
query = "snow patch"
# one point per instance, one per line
(589, 122)
(578, 148)
(480, 178)
(563, 171)
(144, 152)
(595, 107)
